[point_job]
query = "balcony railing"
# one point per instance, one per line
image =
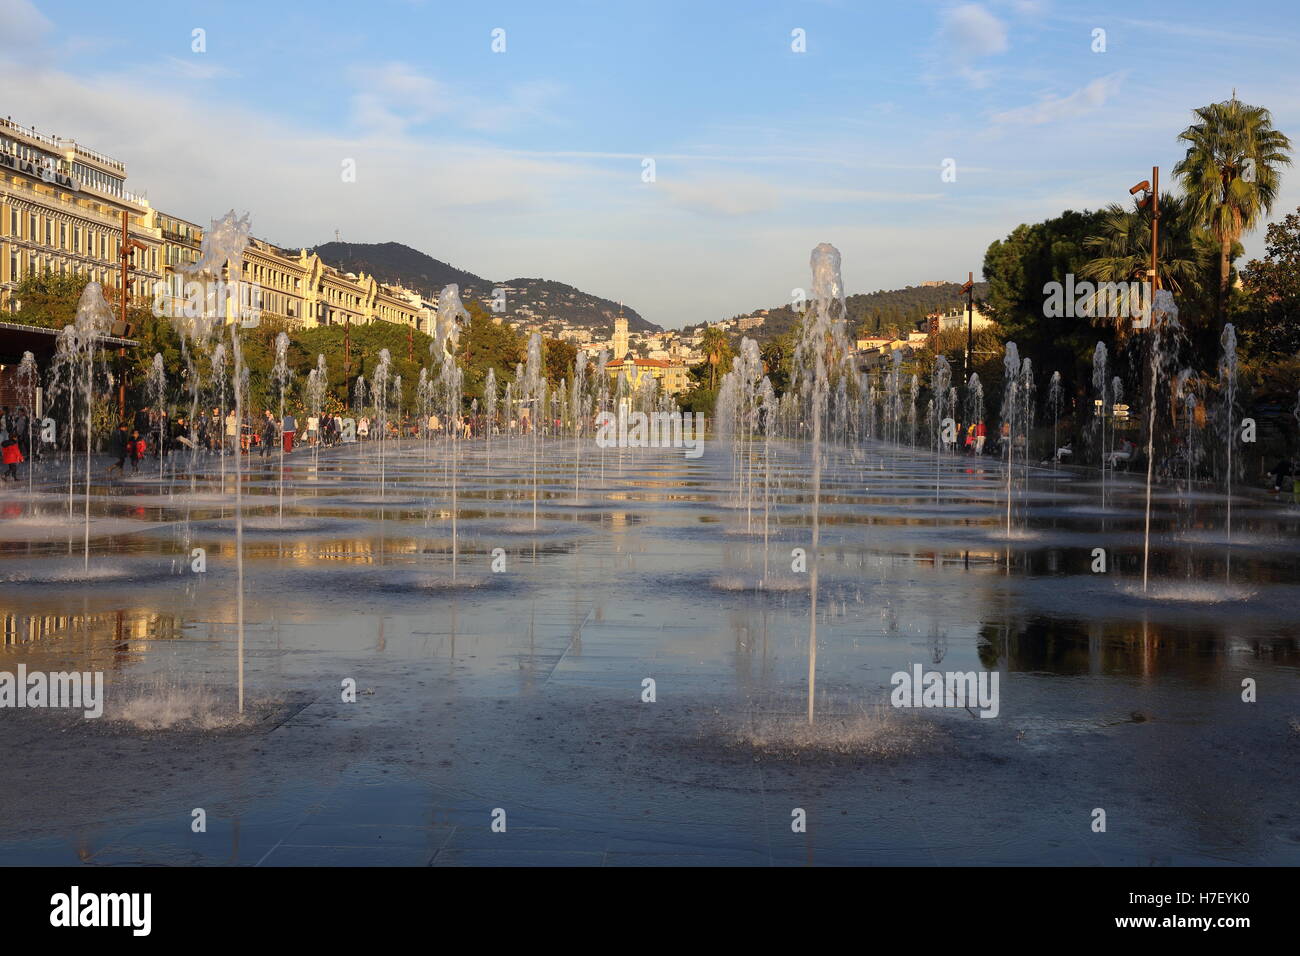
(61, 144)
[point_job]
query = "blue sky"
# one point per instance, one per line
(529, 162)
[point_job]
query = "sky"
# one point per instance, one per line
(531, 159)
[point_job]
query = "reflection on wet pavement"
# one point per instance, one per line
(521, 689)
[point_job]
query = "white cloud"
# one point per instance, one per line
(1084, 100)
(193, 67)
(720, 196)
(393, 97)
(397, 98)
(22, 29)
(968, 33)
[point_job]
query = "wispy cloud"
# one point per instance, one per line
(395, 97)
(23, 29)
(195, 67)
(968, 34)
(1082, 101)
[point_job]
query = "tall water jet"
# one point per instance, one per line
(601, 398)
(1100, 404)
(535, 390)
(1055, 400)
(750, 369)
(397, 408)
(64, 378)
(821, 345)
(893, 407)
(450, 318)
(974, 406)
(1185, 398)
(94, 317)
(1164, 326)
(240, 384)
(940, 378)
(359, 404)
(578, 406)
(452, 381)
(156, 389)
(1027, 395)
(317, 385)
(914, 391)
(509, 399)
(1010, 406)
(280, 375)
(191, 375)
(1228, 389)
(27, 384)
(379, 391)
(768, 409)
(219, 380)
(490, 410)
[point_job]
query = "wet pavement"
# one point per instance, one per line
(520, 688)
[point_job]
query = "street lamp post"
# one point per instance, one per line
(1151, 200)
(127, 249)
(968, 290)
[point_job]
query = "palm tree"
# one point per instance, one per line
(1122, 252)
(1230, 174)
(717, 347)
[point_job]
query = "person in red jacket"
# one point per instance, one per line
(12, 455)
(138, 448)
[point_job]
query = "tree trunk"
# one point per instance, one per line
(1225, 267)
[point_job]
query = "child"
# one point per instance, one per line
(122, 441)
(12, 454)
(138, 450)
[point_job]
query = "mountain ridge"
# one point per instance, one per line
(528, 300)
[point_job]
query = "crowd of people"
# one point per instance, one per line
(155, 433)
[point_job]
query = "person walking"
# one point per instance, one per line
(269, 430)
(138, 450)
(12, 454)
(288, 427)
(22, 431)
(121, 447)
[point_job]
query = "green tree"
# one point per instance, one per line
(777, 355)
(1017, 270)
(49, 299)
(485, 345)
(558, 357)
(717, 351)
(1271, 317)
(1122, 251)
(1231, 175)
